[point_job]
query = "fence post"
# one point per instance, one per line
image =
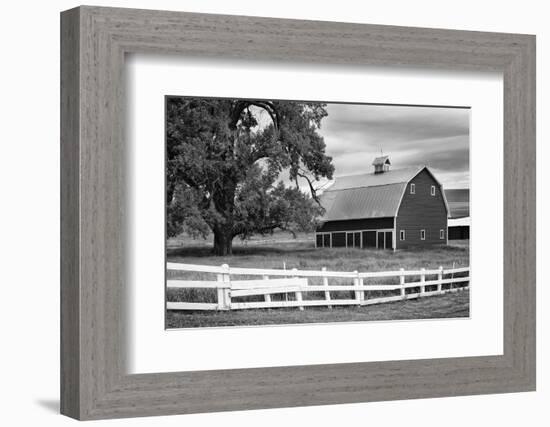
(298, 293)
(422, 280)
(356, 284)
(440, 279)
(452, 276)
(327, 293)
(402, 281)
(267, 297)
(226, 295)
(219, 279)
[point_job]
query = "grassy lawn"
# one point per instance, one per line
(280, 251)
(452, 305)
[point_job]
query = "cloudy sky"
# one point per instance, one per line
(412, 136)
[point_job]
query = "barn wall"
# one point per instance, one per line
(356, 224)
(421, 211)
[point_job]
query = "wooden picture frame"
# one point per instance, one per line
(94, 41)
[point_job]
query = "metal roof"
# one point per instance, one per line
(368, 195)
(363, 202)
(371, 179)
(459, 202)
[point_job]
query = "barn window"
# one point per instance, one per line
(422, 234)
(441, 234)
(413, 189)
(433, 190)
(401, 234)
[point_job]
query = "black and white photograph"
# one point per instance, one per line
(244, 214)
(292, 212)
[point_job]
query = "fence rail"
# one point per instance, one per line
(296, 282)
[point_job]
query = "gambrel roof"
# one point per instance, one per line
(368, 195)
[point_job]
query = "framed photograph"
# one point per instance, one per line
(309, 210)
(262, 213)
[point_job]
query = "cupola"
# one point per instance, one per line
(381, 164)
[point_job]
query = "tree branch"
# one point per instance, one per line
(238, 229)
(311, 187)
(240, 106)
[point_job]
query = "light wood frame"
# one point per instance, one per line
(94, 383)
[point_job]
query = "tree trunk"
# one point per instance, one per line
(224, 202)
(223, 242)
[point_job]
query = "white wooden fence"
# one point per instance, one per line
(296, 282)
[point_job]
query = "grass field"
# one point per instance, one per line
(452, 305)
(283, 252)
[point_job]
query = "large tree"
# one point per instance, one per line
(224, 163)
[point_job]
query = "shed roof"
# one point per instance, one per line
(367, 195)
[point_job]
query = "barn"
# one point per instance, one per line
(384, 209)
(459, 213)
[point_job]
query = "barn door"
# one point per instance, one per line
(380, 241)
(353, 239)
(369, 239)
(389, 240)
(384, 239)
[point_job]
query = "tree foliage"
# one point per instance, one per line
(223, 167)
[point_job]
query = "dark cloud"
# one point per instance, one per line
(433, 136)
